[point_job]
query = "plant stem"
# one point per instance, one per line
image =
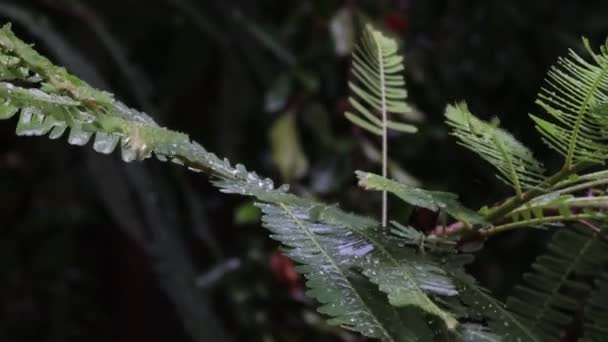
(509, 226)
(595, 202)
(384, 136)
(594, 179)
(515, 201)
(499, 212)
(582, 186)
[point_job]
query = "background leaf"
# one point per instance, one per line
(286, 148)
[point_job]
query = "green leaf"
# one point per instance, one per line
(404, 283)
(7, 111)
(323, 239)
(287, 151)
(363, 124)
(515, 163)
(551, 294)
(432, 200)
(575, 90)
(326, 255)
(339, 253)
(483, 305)
(378, 90)
(408, 279)
(378, 86)
(596, 312)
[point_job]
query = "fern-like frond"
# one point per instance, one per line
(379, 87)
(379, 91)
(515, 163)
(596, 312)
(551, 294)
(575, 90)
(432, 200)
(338, 252)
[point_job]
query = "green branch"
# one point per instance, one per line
(499, 212)
(537, 221)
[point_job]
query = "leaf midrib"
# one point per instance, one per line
(511, 166)
(580, 116)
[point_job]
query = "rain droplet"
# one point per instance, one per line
(128, 154)
(105, 143)
(26, 115)
(177, 161)
(79, 137)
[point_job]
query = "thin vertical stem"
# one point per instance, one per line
(384, 172)
(384, 134)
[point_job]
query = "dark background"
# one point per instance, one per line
(92, 249)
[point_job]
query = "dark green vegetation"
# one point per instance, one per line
(404, 285)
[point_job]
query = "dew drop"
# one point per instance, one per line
(193, 169)
(79, 137)
(26, 115)
(161, 157)
(177, 161)
(128, 154)
(105, 143)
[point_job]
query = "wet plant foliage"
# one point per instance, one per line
(389, 281)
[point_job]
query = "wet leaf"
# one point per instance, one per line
(432, 200)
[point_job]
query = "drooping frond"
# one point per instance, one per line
(575, 90)
(326, 255)
(551, 294)
(515, 163)
(379, 86)
(55, 102)
(432, 200)
(408, 278)
(596, 312)
(321, 238)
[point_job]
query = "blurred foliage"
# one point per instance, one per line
(140, 252)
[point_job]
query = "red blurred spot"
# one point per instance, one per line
(396, 22)
(284, 271)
